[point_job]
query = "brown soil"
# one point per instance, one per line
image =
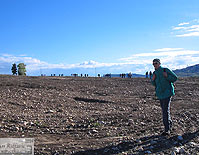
(68, 115)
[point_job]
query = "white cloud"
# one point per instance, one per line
(180, 28)
(35, 64)
(193, 28)
(187, 29)
(160, 53)
(91, 62)
(168, 49)
(185, 23)
(191, 34)
(173, 58)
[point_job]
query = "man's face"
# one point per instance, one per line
(156, 65)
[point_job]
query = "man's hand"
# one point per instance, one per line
(153, 78)
(165, 74)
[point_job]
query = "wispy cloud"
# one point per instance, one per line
(191, 34)
(168, 49)
(185, 23)
(173, 58)
(33, 64)
(187, 29)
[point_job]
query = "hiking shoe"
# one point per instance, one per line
(165, 133)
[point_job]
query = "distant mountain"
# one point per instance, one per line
(138, 75)
(188, 71)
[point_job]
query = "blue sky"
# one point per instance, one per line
(103, 36)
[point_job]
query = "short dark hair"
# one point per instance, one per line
(156, 60)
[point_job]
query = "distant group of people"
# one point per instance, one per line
(82, 75)
(55, 75)
(148, 74)
(85, 75)
(123, 75)
(74, 75)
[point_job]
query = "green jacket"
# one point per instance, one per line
(164, 86)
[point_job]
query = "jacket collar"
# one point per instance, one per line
(160, 68)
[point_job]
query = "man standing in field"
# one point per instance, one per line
(163, 80)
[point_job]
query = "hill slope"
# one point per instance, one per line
(188, 71)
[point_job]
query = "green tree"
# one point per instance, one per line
(14, 69)
(21, 69)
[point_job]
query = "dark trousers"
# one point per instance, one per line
(165, 105)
